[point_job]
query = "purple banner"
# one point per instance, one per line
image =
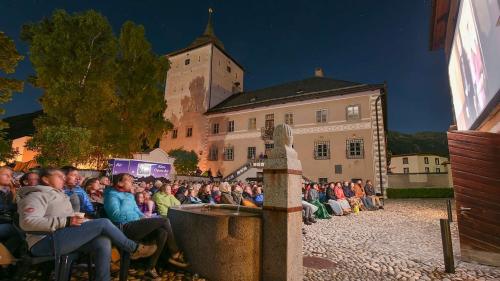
(139, 169)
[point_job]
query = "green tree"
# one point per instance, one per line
(9, 58)
(93, 80)
(185, 161)
(140, 82)
(61, 145)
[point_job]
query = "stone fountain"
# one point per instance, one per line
(232, 243)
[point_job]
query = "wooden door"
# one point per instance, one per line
(475, 164)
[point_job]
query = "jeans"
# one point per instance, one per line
(10, 237)
(367, 202)
(94, 236)
(158, 230)
(307, 212)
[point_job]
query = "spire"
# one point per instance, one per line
(209, 34)
(209, 30)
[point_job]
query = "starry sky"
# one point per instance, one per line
(279, 41)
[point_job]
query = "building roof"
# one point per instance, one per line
(208, 37)
(306, 89)
(21, 125)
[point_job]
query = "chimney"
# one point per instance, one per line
(318, 72)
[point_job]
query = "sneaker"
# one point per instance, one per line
(178, 261)
(143, 251)
(313, 220)
(152, 275)
(307, 222)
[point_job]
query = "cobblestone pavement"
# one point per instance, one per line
(402, 242)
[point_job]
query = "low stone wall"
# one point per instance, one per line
(219, 245)
(419, 180)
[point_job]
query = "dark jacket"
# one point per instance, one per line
(369, 190)
(330, 194)
(7, 206)
(207, 198)
(181, 197)
(347, 191)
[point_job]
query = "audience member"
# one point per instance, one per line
(370, 193)
(9, 235)
(225, 197)
(331, 200)
(312, 196)
(29, 179)
(121, 208)
(72, 186)
(45, 207)
(164, 200)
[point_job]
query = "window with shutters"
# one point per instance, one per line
(355, 149)
(405, 160)
(321, 150)
(406, 170)
(321, 115)
(213, 154)
(427, 169)
(251, 153)
(189, 132)
(269, 123)
(322, 181)
(229, 153)
(174, 133)
(436, 160)
(252, 123)
(215, 128)
(426, 160)
(438, 170)
(353, 112)
(230, 126)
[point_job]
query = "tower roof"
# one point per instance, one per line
(208, 35)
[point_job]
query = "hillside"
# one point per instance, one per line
(421, 142)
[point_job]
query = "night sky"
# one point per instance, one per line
(278, 41)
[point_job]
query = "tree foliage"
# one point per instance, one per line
(61, 145)
(185, 161)
(91, 79)
(421, 142)
(9, 58)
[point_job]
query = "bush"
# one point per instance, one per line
(421, 192)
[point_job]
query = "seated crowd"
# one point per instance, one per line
(89, 215)
(337, 198)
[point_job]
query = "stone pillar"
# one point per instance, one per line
(282, 211)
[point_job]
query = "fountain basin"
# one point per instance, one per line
(219, 242)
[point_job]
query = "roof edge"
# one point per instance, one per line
(301, 97)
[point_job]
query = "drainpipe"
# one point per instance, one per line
(378, 143)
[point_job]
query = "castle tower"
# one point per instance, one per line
(200, 76)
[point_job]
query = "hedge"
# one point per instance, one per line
(421, 192)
